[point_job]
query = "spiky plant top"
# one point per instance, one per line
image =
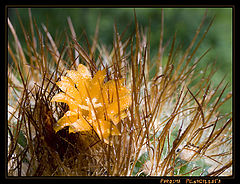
(168, 126)
(92, 103)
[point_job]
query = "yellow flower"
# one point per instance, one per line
(92, 103)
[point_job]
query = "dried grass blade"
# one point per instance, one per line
(19, 47)
(74, 37)
(221, 170)
(85, 56)
(199, 106)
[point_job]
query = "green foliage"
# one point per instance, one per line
(184, 21)
(139, 164)
(22, 139)
(185, 167)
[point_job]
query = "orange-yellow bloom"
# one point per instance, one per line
(92, 103)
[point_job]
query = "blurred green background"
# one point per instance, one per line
(184, 21)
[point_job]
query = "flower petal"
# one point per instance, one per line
(111, 83)
(115, 118)
(103, 128)
(80, 125)
(75, 120)
(124, 103)
(99, 77)
(62, 97)
(76, 76)
(84, 71)
(97, 83)
(109, 90)
(79, 80)
(67, 85)
(68, 118)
